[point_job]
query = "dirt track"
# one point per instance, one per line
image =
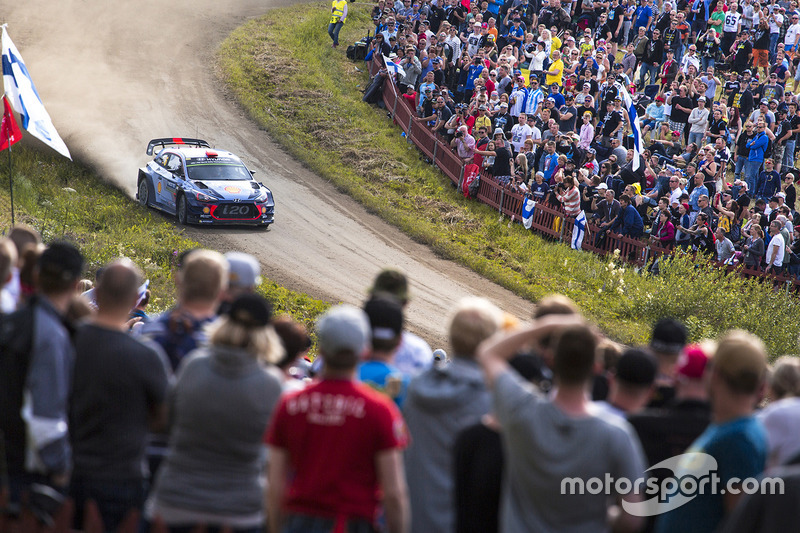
(113, 75)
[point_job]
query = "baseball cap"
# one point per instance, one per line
(551, 99)
(637, 367)
(503, 104)
(385, 316)
(343, 328)
(244, 270)
(391, 281)
(482, 108)
(602, 186)
(692, 362)
(669, 336)
(764, 101)
(781, 194)
(251, 311)
(587, 85)
(61, 261)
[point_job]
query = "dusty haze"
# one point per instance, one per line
(114, 75)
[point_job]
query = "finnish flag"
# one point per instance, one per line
(22, 95)
(578, 231)
(528, 206)
(393, 67)
(636, 128)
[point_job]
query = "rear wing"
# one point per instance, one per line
(169, 141)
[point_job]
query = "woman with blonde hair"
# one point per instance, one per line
(219, 410)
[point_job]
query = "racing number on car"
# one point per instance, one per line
(236, 209)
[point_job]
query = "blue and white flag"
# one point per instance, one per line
(528, 206)
(22, 95)
(578, 231)
(393, 67)
(636, 128)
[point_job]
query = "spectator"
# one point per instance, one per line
(129, 379)
(629, 222)
(754, 248)
(781, 418)
(296, 343)
(244, 275)
(39, 398)
(724, 247)
(308, 488)
(377, 370)
(441, 402)
(414, 355)
(775, 249)
(201, 281)
(669, 430)
(8, 263)
(545, 439)
(211, 475)
(735, 439)
(631, 383)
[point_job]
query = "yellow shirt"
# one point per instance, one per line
(555, 44)
(555, 65)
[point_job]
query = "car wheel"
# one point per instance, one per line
(144, 192)
(183, 211)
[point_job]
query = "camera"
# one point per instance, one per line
(459, 134)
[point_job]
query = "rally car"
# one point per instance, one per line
(200, 185)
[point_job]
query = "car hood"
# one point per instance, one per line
(230, 190)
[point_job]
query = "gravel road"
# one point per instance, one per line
(113, 75)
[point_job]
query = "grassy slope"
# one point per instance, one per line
(307, 96)
(64, 200)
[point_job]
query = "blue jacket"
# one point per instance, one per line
(757, 146)
(629, 223)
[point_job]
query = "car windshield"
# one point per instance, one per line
(217, 169)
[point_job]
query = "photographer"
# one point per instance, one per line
(464, 144)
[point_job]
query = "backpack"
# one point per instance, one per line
(472, 175)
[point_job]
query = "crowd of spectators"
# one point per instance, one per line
(209, 417)
(532, 92)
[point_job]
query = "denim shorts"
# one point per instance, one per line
(300, 523)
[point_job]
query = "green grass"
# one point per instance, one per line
(307, 96)
(65, 200)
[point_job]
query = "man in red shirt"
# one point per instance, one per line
(335, 448)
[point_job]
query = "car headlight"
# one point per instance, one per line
(263, 197)
(202, 197)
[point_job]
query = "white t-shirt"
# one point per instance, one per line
(775, 252)
(732, 21)
(517, 96)
(519, 133)
(791, 35)
(781, 419)
(775, 23)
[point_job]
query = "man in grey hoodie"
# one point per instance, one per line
(441, 402)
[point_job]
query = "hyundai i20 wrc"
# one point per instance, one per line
(200, 185)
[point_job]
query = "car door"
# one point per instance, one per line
(170, 181)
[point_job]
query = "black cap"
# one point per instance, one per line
(385, 317)
(61, 261)
(637, 367)
(669, 336)
(251, 311)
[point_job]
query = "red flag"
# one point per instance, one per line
(9, 129)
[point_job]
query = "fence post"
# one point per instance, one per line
(394, 108)
(561, 231)
(646, 256)
(500, 206)
(410, 123)
(435, 148)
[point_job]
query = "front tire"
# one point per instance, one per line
(144, 192)
(182, 212)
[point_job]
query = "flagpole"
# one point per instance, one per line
(10, 174)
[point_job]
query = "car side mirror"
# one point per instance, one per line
(252, 172)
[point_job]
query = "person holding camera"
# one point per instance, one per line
(464, 144)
